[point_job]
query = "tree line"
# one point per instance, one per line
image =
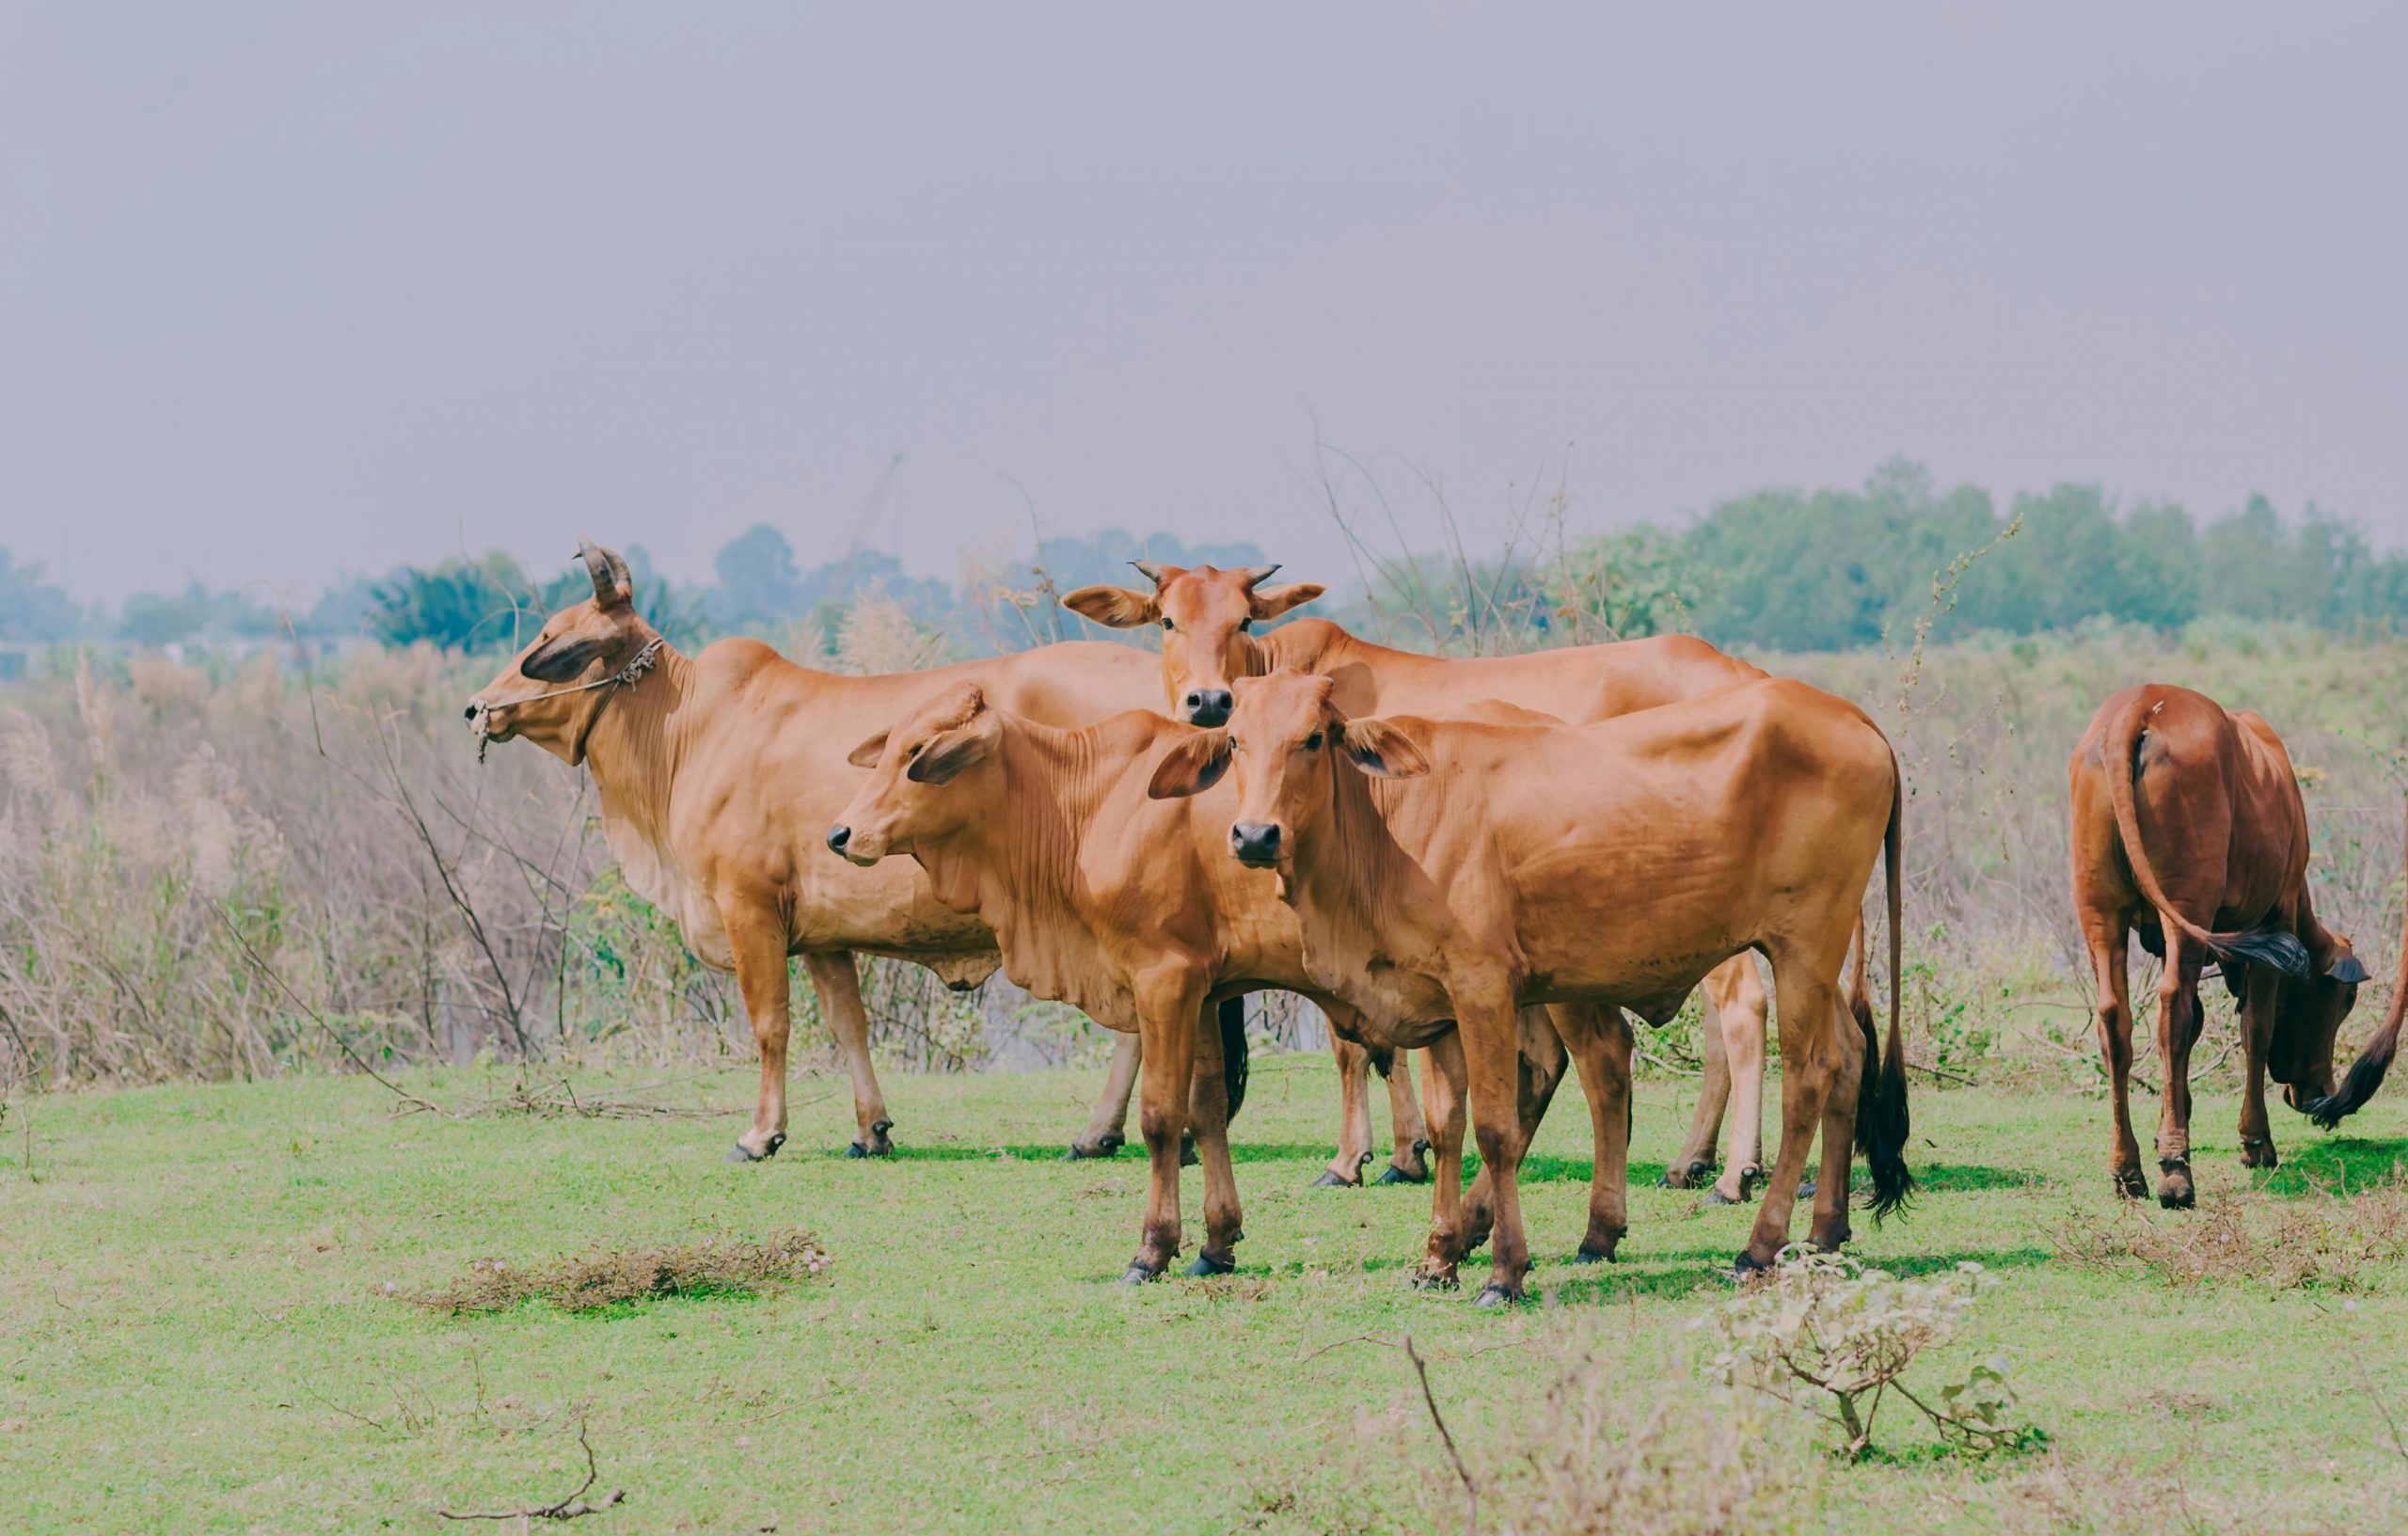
(1777, 569)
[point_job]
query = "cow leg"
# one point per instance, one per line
(1488, 1023)
(2109, 941)
(1696, 1160)
(839, 986)
(1442, 1100)
(1538, 1073)
(1743, 1052)
(2178, 1027)
(1106, 1131)
(1806, 1008)
(1830, 1227)
(2258, 1041)
(1599, 1042)
(1353, 1115)
(1168, 1011)
(1209, 1113)
(1407, 1164)
(759, 944)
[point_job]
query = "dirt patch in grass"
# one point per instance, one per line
(718, 1265)
(2346, 1242)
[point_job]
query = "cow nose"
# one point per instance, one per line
(838, 837)
(1255, 842)
(1208, 705)
(469, 714)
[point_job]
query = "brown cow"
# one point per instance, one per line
(717, 774)
(1124, 905)
(2188, 825)
(1207, 617)
(1467, 869)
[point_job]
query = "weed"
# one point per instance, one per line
(605, 1277)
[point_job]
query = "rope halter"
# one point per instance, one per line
(638, 664)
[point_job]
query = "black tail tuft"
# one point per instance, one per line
(1881, 1123)
(2364, 1076)
(1233, 1057)
(2277, 947)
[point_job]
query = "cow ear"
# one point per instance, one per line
(1382, 748)
(1274, 601)
(559, 660)
(1191, 767)
(2346, 967)
(1115, 607)
(868, 752)
(950, 755)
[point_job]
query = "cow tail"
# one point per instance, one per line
(1233, 1057)
(2119, 755)
(1882, 1123)
(2374, 1059)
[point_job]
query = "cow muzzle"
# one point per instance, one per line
(1207, 706)
(853, 846)
(1256, 843)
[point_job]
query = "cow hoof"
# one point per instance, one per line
(1394, 1175)
(746, 1154)
(1137, 1275)
(1686, 1175)
(1101, 1147)
(2174, 1193)
(1187, 1158)
(855, 1150)
(1496, 1293)
(2130, 1185)
(1806, 1191)
(1206, 1265)
(1715, 1196)
(1435, 1280)
(2256, 1154)
(1748, 1267)
(1586, 1255)
(1330, 1179)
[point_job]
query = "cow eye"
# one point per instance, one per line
(1244, 626)
(1168, 627)
(1312, 742)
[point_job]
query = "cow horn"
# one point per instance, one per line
(1150, 571)
(1254, 575)
(597, 565)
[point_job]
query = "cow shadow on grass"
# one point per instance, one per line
(1687, 1271)
(2337, 1164)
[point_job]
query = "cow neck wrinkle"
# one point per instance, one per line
(1024, 865)
(1353, 881)
(634, 748)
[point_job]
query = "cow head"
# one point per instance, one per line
(2308, 1012)
(906, 798)
(1205, 615)
(584, 642)
(1286, 740)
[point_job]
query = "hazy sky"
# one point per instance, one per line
(286, 289)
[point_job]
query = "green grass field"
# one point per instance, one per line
(194, 1334)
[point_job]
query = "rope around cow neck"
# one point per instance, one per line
(636, 666)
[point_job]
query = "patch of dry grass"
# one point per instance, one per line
(2325, 1239)
(602, 1277)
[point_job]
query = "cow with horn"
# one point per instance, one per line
(1208, 618)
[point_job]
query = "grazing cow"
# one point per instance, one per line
(718, 773)
(1124, 905)
(2188, 826)
(1468, 869)
(1207, 618)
